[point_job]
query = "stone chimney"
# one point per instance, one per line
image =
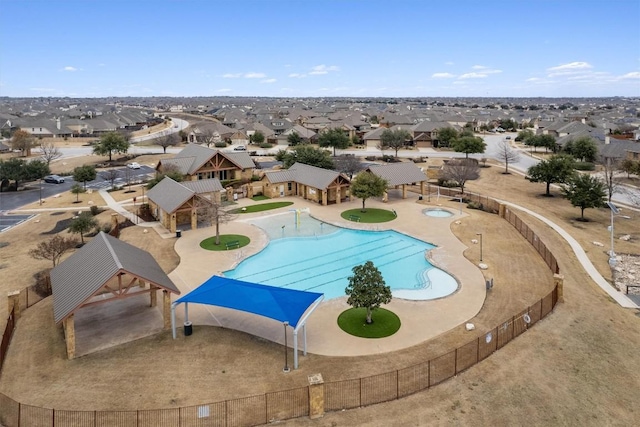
(607, 140)
(58, 123)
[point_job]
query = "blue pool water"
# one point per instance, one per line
(323, 263)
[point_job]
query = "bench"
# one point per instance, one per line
(232, 244)
(354, 218)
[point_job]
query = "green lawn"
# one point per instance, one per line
(369, 216)
(227, 242)
(261, 207)
(259, 198)
(354, 322)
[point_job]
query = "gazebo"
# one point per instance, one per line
(104, 270)
(400, 175)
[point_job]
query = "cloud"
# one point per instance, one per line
(269, 81)
(448, 63)
(571, 66)
(323, 69)
(534, 79)
(297, 75)
(472, 76)
(631, 75)
(42, 89)
(255, 75)
(69, 68)
(478, 67)
(231, 76)
(442, 76)
(223, 90)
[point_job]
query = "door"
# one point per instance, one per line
(282, 191)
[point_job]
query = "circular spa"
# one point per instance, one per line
(307, 254)
(437, 213)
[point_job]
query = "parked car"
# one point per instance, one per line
(54, 179)
(240, 148)
(508, 137)
(133, 165)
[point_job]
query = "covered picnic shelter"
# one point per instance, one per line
(104, 270)
(400, 175)
(289, 306)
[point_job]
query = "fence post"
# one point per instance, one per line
(558, 280)
(13, 302)
(316, 396)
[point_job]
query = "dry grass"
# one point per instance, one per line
(576, 367)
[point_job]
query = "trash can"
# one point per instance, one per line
(420, 197)
(178, 233)
(188, 329)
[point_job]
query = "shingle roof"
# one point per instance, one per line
(242, 159)
(84, 273)
(305, 174)
(193, 156)
(398, 173)
(203, 185)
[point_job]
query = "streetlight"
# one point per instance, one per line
(286, 356)
(614, 211)
(480, 234)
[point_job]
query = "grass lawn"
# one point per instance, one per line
(259, 198)
(354, 322)
(210, 243)
(370, 215)
(261, 207)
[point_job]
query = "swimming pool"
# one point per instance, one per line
(437, 213)
(323, 263)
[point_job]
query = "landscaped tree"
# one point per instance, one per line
(171, 171)
(506, 154)
(23, 141)
(208, 136)
(36, 169)
(610, 169)
(629, 167)
(367, 289)
(111, 175)
(446, 135)
(77, 189)
(257, 138)
(84, 174)
(557, 169)
(584, 149)
(53, 249)
(395, 139)
(12, 170)
(49, 151)
(348, 164)
(294, 139)
(366, 185)
(524, 135)
(460, 171)
(112, 142)
(82, 224)
(211, 212)
(585, 191)
(469, 145)
(336, 138)
(169, 140)
(306, 154)
(548, 142)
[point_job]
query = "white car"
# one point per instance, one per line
(133, 165)
(240, 148)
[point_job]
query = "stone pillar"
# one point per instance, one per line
(558, 280)
(13, 300)
(173, 223)
(316, 396)
(338, 195)
(385, 197)
(229, 194)
(70, 336)
(194, 219)
(422, 187)
(153, 296)
(324, 197)
(166, 309)
(404, 191)
(502, 210)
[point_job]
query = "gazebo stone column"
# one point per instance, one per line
(13, 302)
(249, 190)
(558, 280)
(338, 194)
(316, 396)
(404, 191)
(153, 296)
(172, 223)
(422, 187)
(194, 219)
(324, 197)
(166, 309)
(70, 336)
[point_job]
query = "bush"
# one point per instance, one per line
(475, 205)
(94, 210)
(106, 228)
(220, 144)
(265, 145)
(584, 166)
(447, 184)
(43, 283)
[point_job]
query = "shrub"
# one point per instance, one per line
(94, 210)
(584, 166)
(265, 145)
(220, 144)
(43, 283)
(106, 227)
(475, 205)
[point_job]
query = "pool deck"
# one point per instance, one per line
(421, 320)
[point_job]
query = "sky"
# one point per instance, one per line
(320, 48)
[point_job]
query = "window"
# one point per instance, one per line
(289, 186)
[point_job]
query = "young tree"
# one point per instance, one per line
(366, 185)
(629, 167)
(461, 171)
(507, 154)
(394, 139)
(525, 135)
(469, 145)
(212, 212)
(610, 167)
(585, 149)
(209, 136)
(294, 139)
(36, 169)
(367, 289)
(306, 154)
(169, 140)
(23, 141)
(347, 164)
(584, 191)
(112, 142)
(336, 138)
(111, 175)
(53, 249)
(82, 224)
(257, 138)
(49, 152)
(84, 174)
(77, 189)
(12, 170)
(548, 142)
(446, 136)
(557, 169)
